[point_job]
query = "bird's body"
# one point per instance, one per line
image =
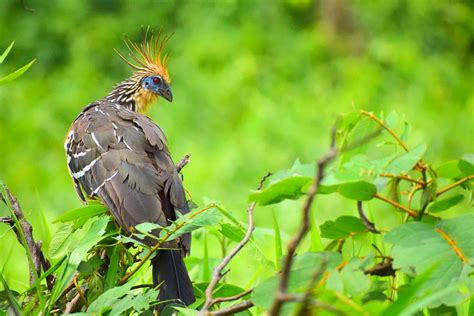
(119, 156)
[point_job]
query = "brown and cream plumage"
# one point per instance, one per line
(118, 155)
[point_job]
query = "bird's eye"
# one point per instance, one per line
(156, 80)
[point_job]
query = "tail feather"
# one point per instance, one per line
(170, 272)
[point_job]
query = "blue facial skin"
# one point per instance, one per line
(157, 85)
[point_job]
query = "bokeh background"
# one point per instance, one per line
(256, 85)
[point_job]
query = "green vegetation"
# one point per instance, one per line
(258, 86)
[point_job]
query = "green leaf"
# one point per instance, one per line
(392, 120)
(360, 190)
(278, 243)
(113, 268)
(404, 163)
(60, 241)
(417, 245)
(94, 231)
(6, 52)
(287, 184)
(80, 213)
(342, 227)
(444, 204)
(466, 164)
(232, 232)
(355, 281)
(303, 268)
(147, 227)
(448, 170)
(16, 73)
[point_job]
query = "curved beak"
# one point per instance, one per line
(165, 91)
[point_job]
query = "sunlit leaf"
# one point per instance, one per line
(232, 232)
(444, 204)
(6, 52)
(360, 191)
(448, 170)
(407, 161)
(342, 227)
(94, 231)
(16, 73)
(60, 241)
(85, 212)
(417, 246)
(466, 164)
(287, 184)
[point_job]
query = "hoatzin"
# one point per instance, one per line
(119, 156)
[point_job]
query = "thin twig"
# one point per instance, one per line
(217, 274)
(70, 306)
(160, 242)
(453, 185)
(233, 309)
(367, 223)
(231, 298)
(403, 177)
(183, 162)
(388, 129)
(410, 212)
(296, 240)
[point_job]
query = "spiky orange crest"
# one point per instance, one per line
(146, 58)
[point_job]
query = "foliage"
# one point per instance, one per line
(422, 262)
(256, 84)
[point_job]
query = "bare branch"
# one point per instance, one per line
(296, 240)
(183, 162)
(367, 223)
(217, 274)
(231, 298)
(233, 309)
(34, 248)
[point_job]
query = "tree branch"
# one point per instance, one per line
(217, 274)
(233, 309)
(182, 163)
(38, 260)
(367, 223)
(296, 240)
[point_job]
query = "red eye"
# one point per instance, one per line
(156, 80)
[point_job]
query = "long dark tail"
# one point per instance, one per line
(169, 271)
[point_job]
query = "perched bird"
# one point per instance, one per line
(118, 155)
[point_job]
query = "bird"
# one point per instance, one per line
(119, 156)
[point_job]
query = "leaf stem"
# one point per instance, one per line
(453, 185)
(395, 204)
(388, 129)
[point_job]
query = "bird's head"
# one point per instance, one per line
(150, 79)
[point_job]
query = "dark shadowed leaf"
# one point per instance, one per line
(444, 204)
(342, 227)
(360, 190)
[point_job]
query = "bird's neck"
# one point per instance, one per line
(130, 94)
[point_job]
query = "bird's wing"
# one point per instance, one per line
(121, 157)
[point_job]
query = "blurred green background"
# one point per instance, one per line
(256, 85)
